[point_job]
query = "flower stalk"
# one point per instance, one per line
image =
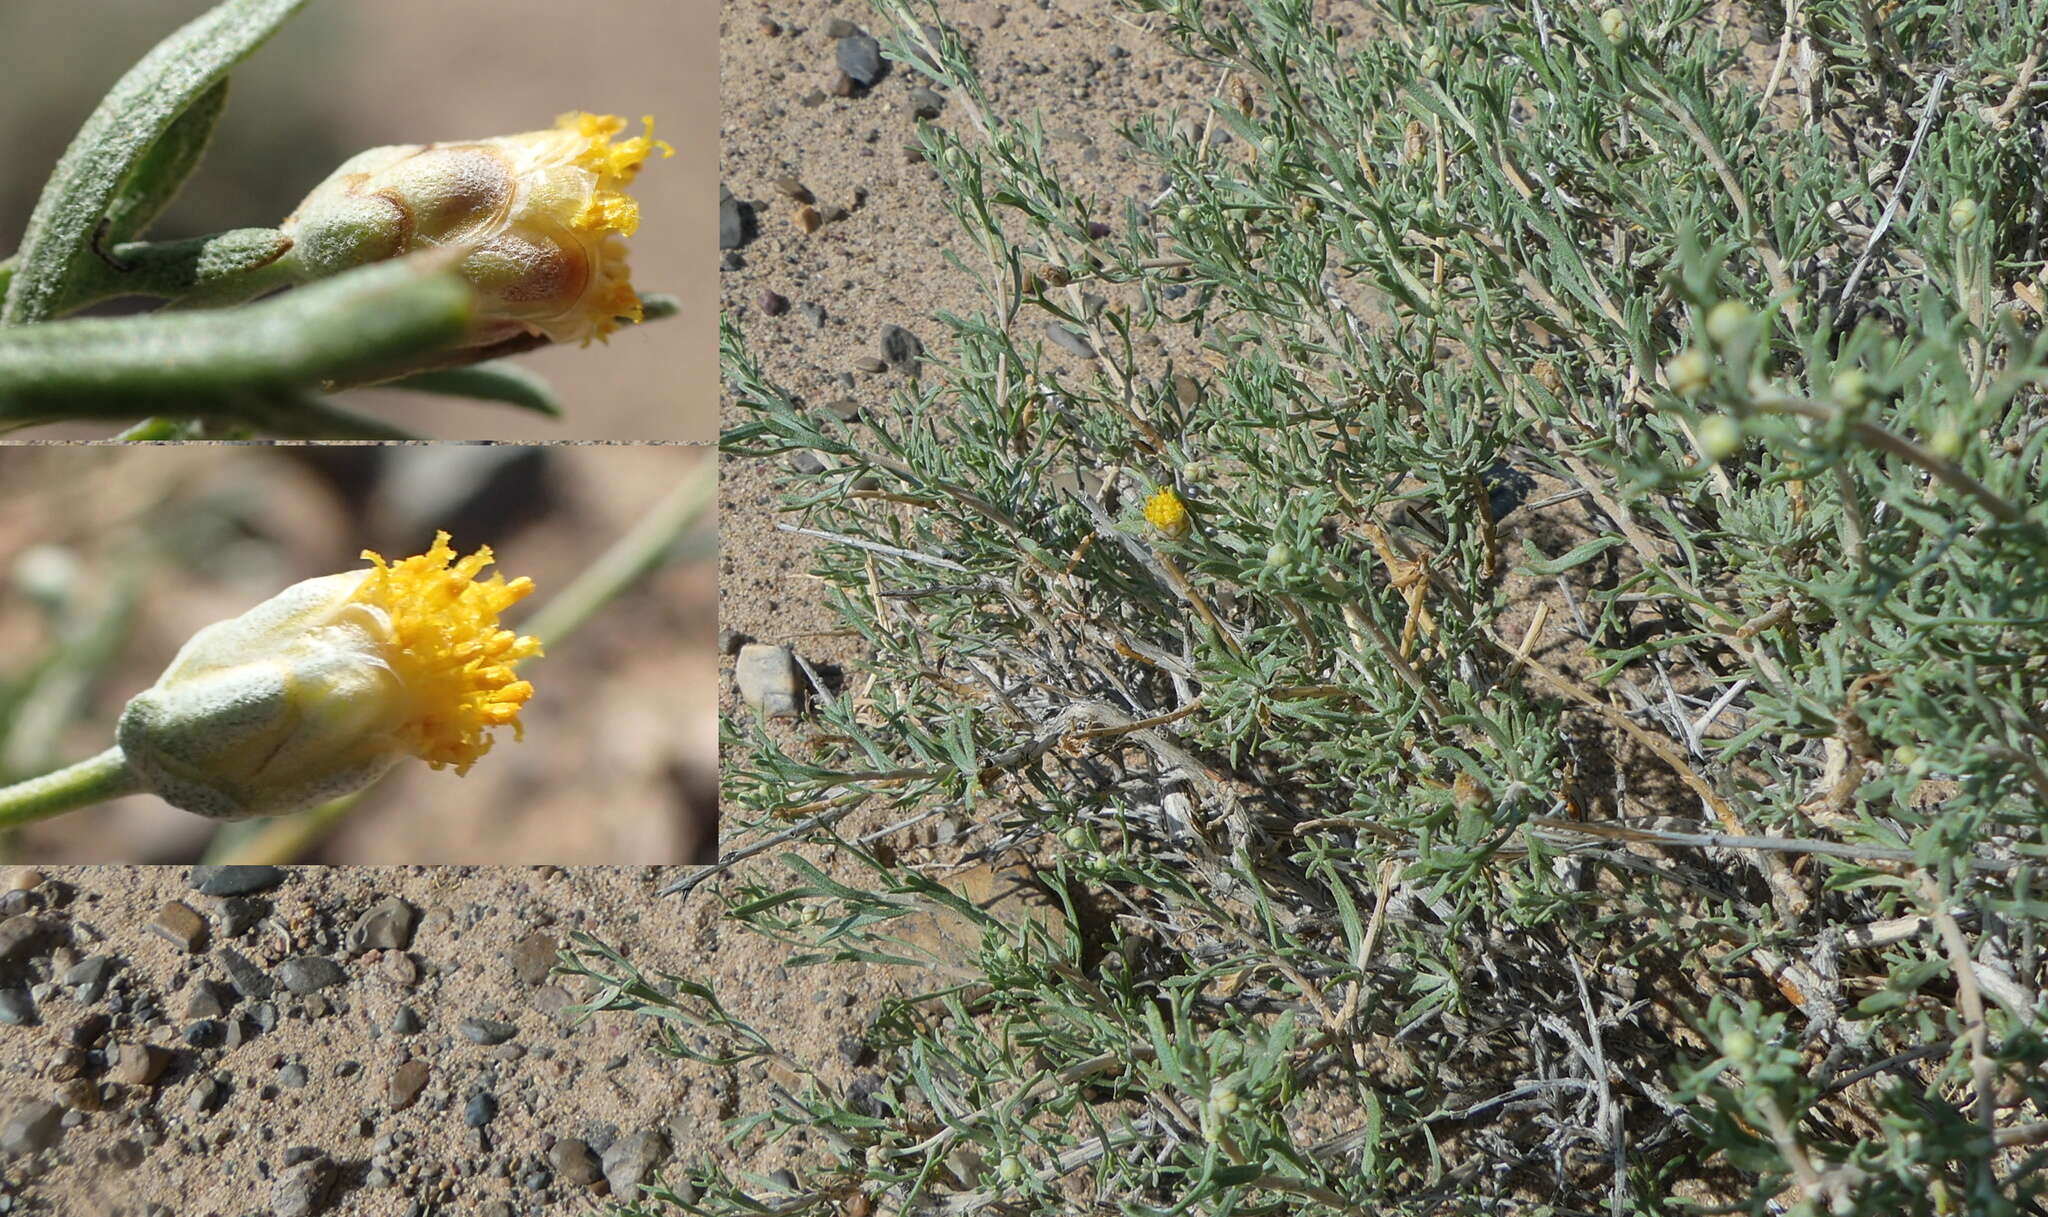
(95, 780)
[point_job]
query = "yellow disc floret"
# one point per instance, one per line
(447, 651)
(1166, 512)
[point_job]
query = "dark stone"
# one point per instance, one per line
(248, 979)
(481, 1110)
(901, 349)
(860, 57)
(233, 880)
(486, 1031)
(309, 974)
(17, 1008)
(88, 978)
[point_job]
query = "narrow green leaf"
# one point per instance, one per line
(351, 329)
(161, 173)
(141, 109)
(495, 380)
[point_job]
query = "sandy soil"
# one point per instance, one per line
(620, 741)
(339, 78)
(1079, 63)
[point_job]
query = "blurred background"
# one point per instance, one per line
(111, 556)
(345, 75)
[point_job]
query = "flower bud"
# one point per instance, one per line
(1432, 60)
(1720, 435)
(1689, 372)
(1851, 387)
(318, 691)
(1614, 24)
(1962, 214)
(1947, 441)
(1726, 322)
(543, 215)
(1739, 1044)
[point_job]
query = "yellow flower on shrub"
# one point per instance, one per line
(544, 217)
(318, 691)
(1166, 512)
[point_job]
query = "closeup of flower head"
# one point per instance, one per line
(318, 691)
(544, 217)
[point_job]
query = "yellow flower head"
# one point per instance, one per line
(1166, 512)
(319, 690)
(544, 216)
(446, 650)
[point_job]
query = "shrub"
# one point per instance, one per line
(1543, 707)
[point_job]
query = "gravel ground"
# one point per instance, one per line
(393, 1032)
(169, 1052)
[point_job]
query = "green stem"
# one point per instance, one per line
(230, 363)
(203, 272)
(104, 777)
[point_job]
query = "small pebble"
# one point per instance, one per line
(406, 1083)
(136, 1064)
(574, 1163)
(246, 977)
(17, 932)
(772, 303)
(790, 188)
(1069, 341)
(807, 218)
(481, 1110)
(309, 974)
(901, 349)
(533, 957)
(486, 1030)
(860, 58)
(31, 1127)
(767, 679)
(631, 1161)
(233, 880)
(17, 1008)
(732, 224)
(179, 924)
(385, 926)
(303, 1189)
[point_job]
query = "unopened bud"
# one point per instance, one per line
(1727, 322)
(319, 690)
(1689, 371)
(1851, 387)
(1720, 436)
(1432, 59)
(1614, 24)
(543, 215)
(1962, 214)
(1947, 441)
